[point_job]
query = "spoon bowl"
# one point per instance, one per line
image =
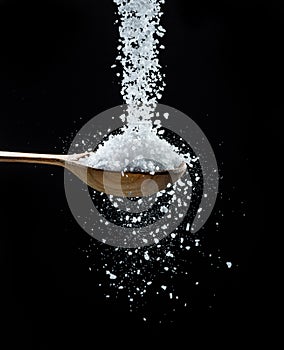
(122, 184)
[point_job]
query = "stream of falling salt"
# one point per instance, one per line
(142, 80)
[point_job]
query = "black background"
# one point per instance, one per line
(55, 59)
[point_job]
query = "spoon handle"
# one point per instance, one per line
(18, 157)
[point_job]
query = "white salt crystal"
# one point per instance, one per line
(229, 264)
(111, 275)
(169, 254)
(164, 209)
(146, 256)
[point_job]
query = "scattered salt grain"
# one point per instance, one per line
(146, 256)
(229, 264)
(111, 275)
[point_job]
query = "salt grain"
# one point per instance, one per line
(229, 264)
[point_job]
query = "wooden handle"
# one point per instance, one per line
(18, 157)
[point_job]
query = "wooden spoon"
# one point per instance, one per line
(123, 184)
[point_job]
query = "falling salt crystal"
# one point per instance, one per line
(171, 295)
(229, 264)
(169, 254)
(164, 209)
(187, 227)
(197, 242)
(181, 183)
(111, 275)
(146, 256)
(164, 287)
